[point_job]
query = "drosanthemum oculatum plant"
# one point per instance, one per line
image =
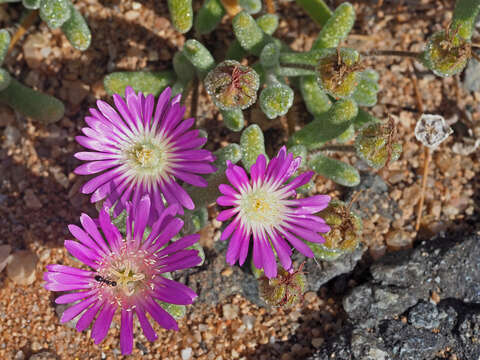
(264, 209)
(142, 149)
(128, 272)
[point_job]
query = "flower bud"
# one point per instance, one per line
(285, 290)
(375, 144)
(338, 71)
(232, 85)
(446, 53)
(345, 231)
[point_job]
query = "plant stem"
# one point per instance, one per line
(231, 6)
(426, 162)
(340, 148)
(401, 53)
(270, 6)
(22, 29)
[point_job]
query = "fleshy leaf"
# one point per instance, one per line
(276, 99)
(76, 30)
(144, 81)
(233, 119)
(338, 171)
(199, 56)
(209, 16)
(55, 12)
(316, 100)
(41, 107)
(252, 144)
(250, 36)
(181, 13)
(337, 27)
(268, 23)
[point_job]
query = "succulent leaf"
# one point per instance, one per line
(336, 170)
(55, 12)
(233, 119)
(252, 144)
(209, 16)
(337, 27)
(181, 13)
(144, 81)
(76, 30)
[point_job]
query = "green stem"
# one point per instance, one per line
(415, 55)
(339, 148)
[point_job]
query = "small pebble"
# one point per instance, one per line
(230, 311)
(227, 272)
(187, 353)
(12, 136)
(31, 200)
(21, 267)
(317, 342)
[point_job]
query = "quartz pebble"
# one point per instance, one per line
(186, 353)
(398, 240)
(230, 311)
(21, 267)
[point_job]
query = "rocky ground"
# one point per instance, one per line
(420, 303)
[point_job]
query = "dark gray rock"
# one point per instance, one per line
(400, 279)
(392, 317)
(320, 272)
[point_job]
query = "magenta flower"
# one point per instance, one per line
(126, 273)
(264, 208)
(142, 149)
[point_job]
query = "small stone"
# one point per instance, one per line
(248, 321)
(21, 267)
(32, 50)
(230, 311)
(310, 296)
(31, 200)
(227, 272)
(4, 255)
(317, 342)
(19, 355)
(187, 353)
(131, 15)
(12, 136)
(398, 240)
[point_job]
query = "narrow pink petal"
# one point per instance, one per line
(75, 310)
(126, 332)
(226, 214)
(102, 324)
(88, 316)
(148, 331)
(72, 297)
(94, 167)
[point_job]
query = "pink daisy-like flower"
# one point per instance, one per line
(263, 207)
(142, 149)
(126, 273)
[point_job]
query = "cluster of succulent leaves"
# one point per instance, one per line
(336, 89)
(57, 14)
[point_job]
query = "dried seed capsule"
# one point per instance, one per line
(375, 144)
(232, 85)
(432, 130)
(338, 71)
(446, 53)
(345, 231)
(285, 290)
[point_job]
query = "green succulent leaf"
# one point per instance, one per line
(316, 100)
(55, 12)
(235, 51)
(144, 81)
(199, 56)
(270, 55)
(268, 23)
(250, 36)
(363, 118)
(4, 44)
(76, 30)
(365, 93)
(338, 171)
(209, 16)
(233, 119)
(4, 79)
(464, 15)
(337, 27)
(252, 145)
(251, 6)
(181, 13)
(276, 99)
(41, 107)
(183, 67)
(347, 135)
(31, 4)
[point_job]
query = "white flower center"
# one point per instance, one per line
(262, 207)
(127, 279)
